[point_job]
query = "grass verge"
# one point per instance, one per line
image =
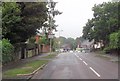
(109, 57)
(50, 56)
(25, 69)
(103, 56)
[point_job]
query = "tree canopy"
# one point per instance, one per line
(104, 23)
(61, 41)
(22, 20)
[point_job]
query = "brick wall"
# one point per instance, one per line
(46, 49)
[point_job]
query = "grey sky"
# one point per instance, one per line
(75, 15)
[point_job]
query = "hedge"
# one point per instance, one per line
(7, 51)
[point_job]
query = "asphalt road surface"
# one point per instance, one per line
(78, 66)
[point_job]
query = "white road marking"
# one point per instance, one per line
(80, 58)
(85, 63)
(94, 71)
(89, 67)
(76, 55)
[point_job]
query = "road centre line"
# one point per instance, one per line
(77, 55)
(85, 63)
(89, 67)
(94, 71)
(80, 58)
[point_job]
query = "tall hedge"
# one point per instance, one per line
(114, 44)
(114, 40)
(7, 51)
(119, 39)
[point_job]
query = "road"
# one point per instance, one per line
(78, 66)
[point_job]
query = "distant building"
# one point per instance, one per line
(87, 44)
(90, 45)
(66, 47)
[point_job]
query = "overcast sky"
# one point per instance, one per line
(74, 17)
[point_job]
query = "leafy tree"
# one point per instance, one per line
(119, 39)
(104, 23)
(114, 41)
(21, 20)
(7, 51)
(43, 40)
(69, 41)
(10, 17)
(32, 40)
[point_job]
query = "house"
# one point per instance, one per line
(87, 44)
(43, 48)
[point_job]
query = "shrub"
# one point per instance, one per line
(119, 39)
(32, 40)
(107, 50)
(114, 40)
(0, 51)
(7, 51)
(43, 40)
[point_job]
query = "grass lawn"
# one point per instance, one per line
(50, 56)
(25, 69)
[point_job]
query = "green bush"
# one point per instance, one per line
(114, 43)
(114, 40)
(119, 39)
(0, 51)
(107, 50)
(7, 51)
(43, 40)
(32, 40)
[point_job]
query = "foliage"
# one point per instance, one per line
(114, 40)
(104, 23)
(61, 41)
(21, 20)
(50, 56)
(10, 17)
(0, 51)
(106, 49)
(7, 51)
(32, 40)
(43, 40)
(119, 39)
(25, 68)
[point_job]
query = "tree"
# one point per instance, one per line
(10, 17)
(61, 41)
(113, 40)
(21, 20)
(104, 23)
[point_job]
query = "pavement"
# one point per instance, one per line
(78, 66)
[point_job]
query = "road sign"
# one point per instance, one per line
(51, 36)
